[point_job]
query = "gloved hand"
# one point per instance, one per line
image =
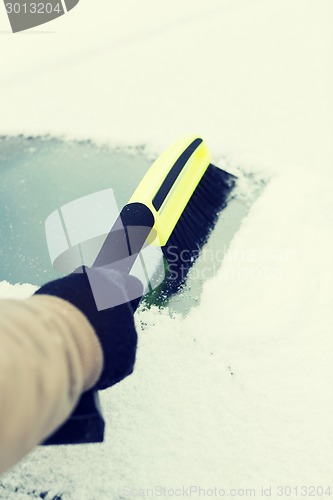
(113, 326)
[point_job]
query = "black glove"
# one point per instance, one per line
(114, 326)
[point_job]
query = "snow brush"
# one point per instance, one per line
(175, 206)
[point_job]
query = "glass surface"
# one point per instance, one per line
(38, 176)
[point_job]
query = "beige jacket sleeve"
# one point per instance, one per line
(49, 355)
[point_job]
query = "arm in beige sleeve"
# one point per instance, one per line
(49, 355)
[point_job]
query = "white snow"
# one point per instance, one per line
(239, 393)
(18, 291)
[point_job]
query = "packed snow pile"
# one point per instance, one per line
(237, 396)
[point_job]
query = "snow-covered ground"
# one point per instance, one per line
(239, 393)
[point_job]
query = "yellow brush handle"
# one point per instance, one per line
(170, 183)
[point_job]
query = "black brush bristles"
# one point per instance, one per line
(194, 226)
